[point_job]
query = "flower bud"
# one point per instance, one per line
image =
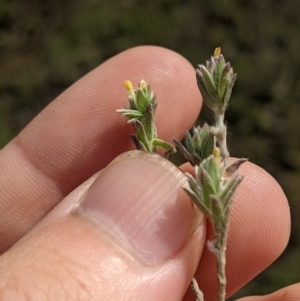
(198, 146)
(215, 81)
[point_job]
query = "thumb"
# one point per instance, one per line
(129, 233)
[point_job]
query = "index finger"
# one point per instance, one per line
(79, 133)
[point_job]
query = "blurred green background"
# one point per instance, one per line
(47, 45)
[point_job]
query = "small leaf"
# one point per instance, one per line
(223, 82)
(189, 142)
(229, 189)
(164, 145)
(229, 90)
(205, 77)
(197, 190)
(149, 123)
(208, 146)
(142, 100)
(130, 113)
(207, 185)
(138, 144)
(220, 63)
(232, 168)
(132, 104)
(218, 214)
(196, 194)
(210, 65)
(187, 155)
(141, 135)
(212, 169)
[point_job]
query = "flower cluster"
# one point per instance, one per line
(215, 82)
(198, 146)
(213, 187)
(141, 114)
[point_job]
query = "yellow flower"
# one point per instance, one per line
(128, 85)
(217, 51)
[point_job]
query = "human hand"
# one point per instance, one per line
(129, 232)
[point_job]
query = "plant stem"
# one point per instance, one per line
(220, 132)
(195, 287)
(220, 246)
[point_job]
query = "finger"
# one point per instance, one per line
(259, 230)
(80, 133)
(290, 293)
(130, 234)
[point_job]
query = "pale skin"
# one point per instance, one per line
(69, 257)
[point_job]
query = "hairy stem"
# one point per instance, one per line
(195, 287)
(220, 246)
(220, 132)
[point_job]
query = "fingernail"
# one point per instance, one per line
(139, 201)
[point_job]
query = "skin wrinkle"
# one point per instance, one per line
(57, 269)
(33, 180)
(11, 284)
(267, 189)
(24, 155)
(263, 196)
(48, 161)
(290, 293)
(88, 256)
(8, 277)
(262, 251)
(235, 226)
(29, 169)
(37, 176)
(283, 296)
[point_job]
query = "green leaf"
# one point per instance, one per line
(213, 170)
(223, 82)
(229, 189)
(164, 145)
(142, 100)
(210, 65)
(130, 113)
(232, 168)
(187, 155)
(229, 89)
(208, 82)
(138, 144)
(206, 184)
(198, 203)
(132, 104)
(220, 63)
(189, 142)
(218, 214)
(149, 123)
(141, 135)
(208, 142)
